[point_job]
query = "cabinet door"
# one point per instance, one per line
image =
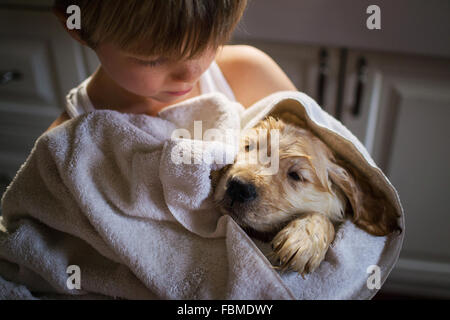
(39, 64)
(312, 69)
(403, 119)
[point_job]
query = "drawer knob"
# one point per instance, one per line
(9, 76)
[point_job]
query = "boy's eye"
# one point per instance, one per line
(150, 63)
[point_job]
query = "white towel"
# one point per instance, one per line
(101, 192)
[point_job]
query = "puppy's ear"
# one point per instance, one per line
(371, 211)
(291, 118)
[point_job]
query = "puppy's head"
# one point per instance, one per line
(308, 179)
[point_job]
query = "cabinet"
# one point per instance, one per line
(39, 64)
(403, 120)
(398, 105)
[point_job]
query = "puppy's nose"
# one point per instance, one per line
(240, 191)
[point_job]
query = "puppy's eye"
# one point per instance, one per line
(294, 176)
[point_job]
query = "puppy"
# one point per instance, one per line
(298, 207)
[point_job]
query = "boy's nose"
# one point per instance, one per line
(187, 72)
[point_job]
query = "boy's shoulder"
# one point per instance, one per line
(243, 60)
(251, 73)
(241, 52)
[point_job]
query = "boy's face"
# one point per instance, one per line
(157, 77)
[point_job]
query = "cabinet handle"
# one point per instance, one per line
(9, 76)
(361, 81)
(322, 76)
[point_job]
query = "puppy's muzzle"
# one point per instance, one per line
(240, 191)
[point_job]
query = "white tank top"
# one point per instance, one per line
(212, 80)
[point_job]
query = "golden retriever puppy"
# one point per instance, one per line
(297, 206)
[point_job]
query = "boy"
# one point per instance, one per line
(154, 52)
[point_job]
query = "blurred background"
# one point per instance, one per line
(389, 86)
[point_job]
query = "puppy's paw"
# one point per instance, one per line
(302, 244)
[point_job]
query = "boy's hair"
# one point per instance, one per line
(172, 28)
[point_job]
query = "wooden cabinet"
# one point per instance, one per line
(403, 120)
(39, 64)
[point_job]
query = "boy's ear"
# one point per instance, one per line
(74, 33)
(371, 211)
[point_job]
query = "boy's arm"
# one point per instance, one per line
(251, 73)
(62, 118)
